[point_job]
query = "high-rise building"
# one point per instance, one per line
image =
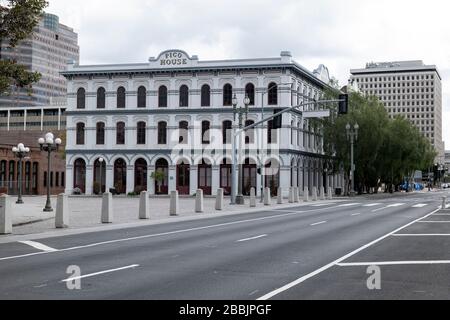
(47, 51)
(410, 89)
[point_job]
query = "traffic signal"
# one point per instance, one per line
(278, 120)
(343, 104)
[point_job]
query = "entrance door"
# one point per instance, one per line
(225, 178)
(204, 177)
(183, 178)
(249, 177)
(161, 186)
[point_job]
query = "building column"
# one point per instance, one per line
(172, 178)
(193, 180)
(130, 179)
(285, 175)
(89, 179)
(69, 179)
(109, 181)
(215, 179)
(300, 179)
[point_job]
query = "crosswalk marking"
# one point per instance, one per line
(349, 204)
(372, 204)
(420, 205)
(394, 205)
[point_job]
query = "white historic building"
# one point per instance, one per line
(174, 115)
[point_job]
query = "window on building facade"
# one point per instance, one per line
(184, 96)
(120, 133)
(80, 133)
(272, 94)
(205, 132)
(226, 131)
(227, 95)
(141, 132)
(101, 98)
(250, 92)
(206, 96)
(142, 97)
(81, 98)
(183, 135)
(249, 134)
(121, 97)
(100, 134)
(162, 132)
(162, 97)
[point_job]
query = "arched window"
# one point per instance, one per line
(205, 132)
(226, 131)
(80, 133)
(162, 132)
(141, 132)
(100, 133)
(292, 132)
(249, 134)
(81, 98)
(79, 175)
(162, 97)
(184, 96)
(250, 92)
(227, 95)
(183, 128)
(273, 94)
(121, 97)
(298, 133)
(101, 98)
(120, 133)
(142, 97)
(206, 96)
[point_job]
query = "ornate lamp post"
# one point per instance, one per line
(101, 160)
(352, 136)
(49, 144)
(240, 111)
(20, 152)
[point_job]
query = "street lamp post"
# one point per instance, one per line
(101, 160)
(49, 144)
(20, 152)
(352, 136)
(240, 111)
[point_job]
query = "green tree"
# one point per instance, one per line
(17, 20)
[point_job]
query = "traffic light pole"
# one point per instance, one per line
(238, 132)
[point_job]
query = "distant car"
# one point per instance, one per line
(445, 185)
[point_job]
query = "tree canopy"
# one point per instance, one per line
(17, 21)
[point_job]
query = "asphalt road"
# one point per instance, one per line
(292, 253)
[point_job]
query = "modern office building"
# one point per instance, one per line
(410, 89)
(174, 114)
(47, 51)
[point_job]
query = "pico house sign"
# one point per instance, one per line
(174, 59)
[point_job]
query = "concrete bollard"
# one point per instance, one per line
(252, 198)
(267, 197)
(280, 196)
(306, 195)
(291, 195)
(330, 193)
(444, 202)
(314, 194)
(5, 215)
(144, 207)
(322, 193)
(296, 195)
(174, 204)
(107, 208)
(219, 199)
(62, 212)
(199, 201)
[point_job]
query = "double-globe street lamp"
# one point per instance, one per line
(49, 144)
(20, 152)
(240, 111)
(352, 136)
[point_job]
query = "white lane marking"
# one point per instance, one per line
(372, 204)
(434, 221)
(394, 205)
(101, 272)
(348, 204)
(391, 263)
(322, 204)
(39, 246)
(317, 223)
(421, 235)
(332, 264)
(420, 205)
(252, 238)
(356, 214)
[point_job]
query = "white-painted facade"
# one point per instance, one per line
(296, 150)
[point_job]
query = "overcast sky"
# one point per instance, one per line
(340, 34)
